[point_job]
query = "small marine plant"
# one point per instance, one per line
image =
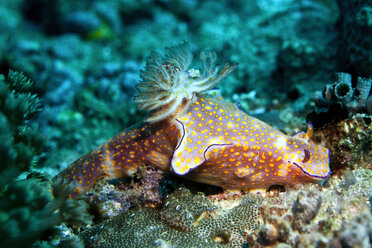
(28, 209)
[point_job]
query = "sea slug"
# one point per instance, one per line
(195, 133)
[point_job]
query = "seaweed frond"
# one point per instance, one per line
(168, 86)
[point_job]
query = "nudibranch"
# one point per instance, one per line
(195, 133)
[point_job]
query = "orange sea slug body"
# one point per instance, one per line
(199, 135)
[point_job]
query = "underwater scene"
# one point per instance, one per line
(186, 123)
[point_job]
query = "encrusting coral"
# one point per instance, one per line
(182, 209)
(199, 135)
(145, 227)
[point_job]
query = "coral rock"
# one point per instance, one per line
(275, 229)
(305, 209)
(349, 142)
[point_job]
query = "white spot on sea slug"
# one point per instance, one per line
(281, 142)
